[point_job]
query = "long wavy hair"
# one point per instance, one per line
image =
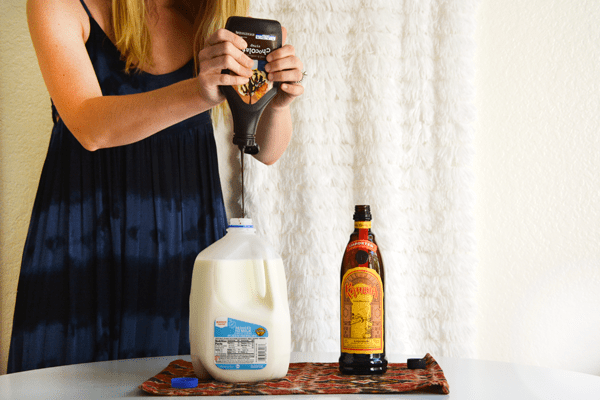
(129, 18)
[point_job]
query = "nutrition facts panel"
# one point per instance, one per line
(240, 350)
(240, 344)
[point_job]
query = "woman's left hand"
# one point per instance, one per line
(283, 66)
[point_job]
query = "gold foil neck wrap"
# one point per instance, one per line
(362, 224)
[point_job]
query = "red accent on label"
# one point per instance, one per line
(354, 291)
(362, 244)
(363, 234)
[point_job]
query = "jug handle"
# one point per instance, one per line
(273, 296)
(260, 277)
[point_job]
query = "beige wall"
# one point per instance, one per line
(538, 182)
(25, 125)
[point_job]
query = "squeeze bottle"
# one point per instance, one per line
(247, 102)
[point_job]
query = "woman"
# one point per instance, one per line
(130, 192)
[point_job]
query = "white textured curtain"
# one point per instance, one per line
(386, 121)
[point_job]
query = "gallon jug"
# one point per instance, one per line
(239, 315)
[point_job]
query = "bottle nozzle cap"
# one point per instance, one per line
(362, 213)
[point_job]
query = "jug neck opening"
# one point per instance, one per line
(241, 223)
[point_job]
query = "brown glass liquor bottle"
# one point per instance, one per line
(362, 331)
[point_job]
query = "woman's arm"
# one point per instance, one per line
(274, 129)
(57, 32)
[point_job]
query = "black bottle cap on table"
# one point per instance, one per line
(416, 363)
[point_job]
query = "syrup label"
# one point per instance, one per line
(259, 46)
(239, 344)
(362, 311)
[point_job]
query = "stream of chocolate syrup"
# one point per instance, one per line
(242, 168)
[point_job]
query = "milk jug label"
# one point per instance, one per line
(239, 344)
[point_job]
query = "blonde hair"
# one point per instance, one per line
(133, 37)
(212, 16)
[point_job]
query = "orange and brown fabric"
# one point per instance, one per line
(308, 378)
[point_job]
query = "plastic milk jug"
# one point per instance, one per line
(239, 315)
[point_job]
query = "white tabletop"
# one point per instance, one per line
(468, 379)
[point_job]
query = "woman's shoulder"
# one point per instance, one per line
(69, 14)
(44, 14)
(67, 8)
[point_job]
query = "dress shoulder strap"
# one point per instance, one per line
(87, 10)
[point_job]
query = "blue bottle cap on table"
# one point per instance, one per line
(184, 383)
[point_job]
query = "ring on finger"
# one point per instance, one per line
(304, 74)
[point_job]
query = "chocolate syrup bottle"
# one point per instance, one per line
(362, 332)
(247, 102)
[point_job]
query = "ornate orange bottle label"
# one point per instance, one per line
(362, 311)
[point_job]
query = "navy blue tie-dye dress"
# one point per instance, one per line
(107, 264)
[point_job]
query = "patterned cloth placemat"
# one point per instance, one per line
(308, 378)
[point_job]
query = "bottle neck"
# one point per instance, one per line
(362, 229)
(362, 225)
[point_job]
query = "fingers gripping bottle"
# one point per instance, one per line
(239, 315)
(362, 301)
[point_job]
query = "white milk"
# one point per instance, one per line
(239, 315)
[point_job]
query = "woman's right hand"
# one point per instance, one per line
(224, 50)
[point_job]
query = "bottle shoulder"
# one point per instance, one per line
(359, 254)
(354, 235)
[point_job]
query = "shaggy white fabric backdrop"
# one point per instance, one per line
(385, 120)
